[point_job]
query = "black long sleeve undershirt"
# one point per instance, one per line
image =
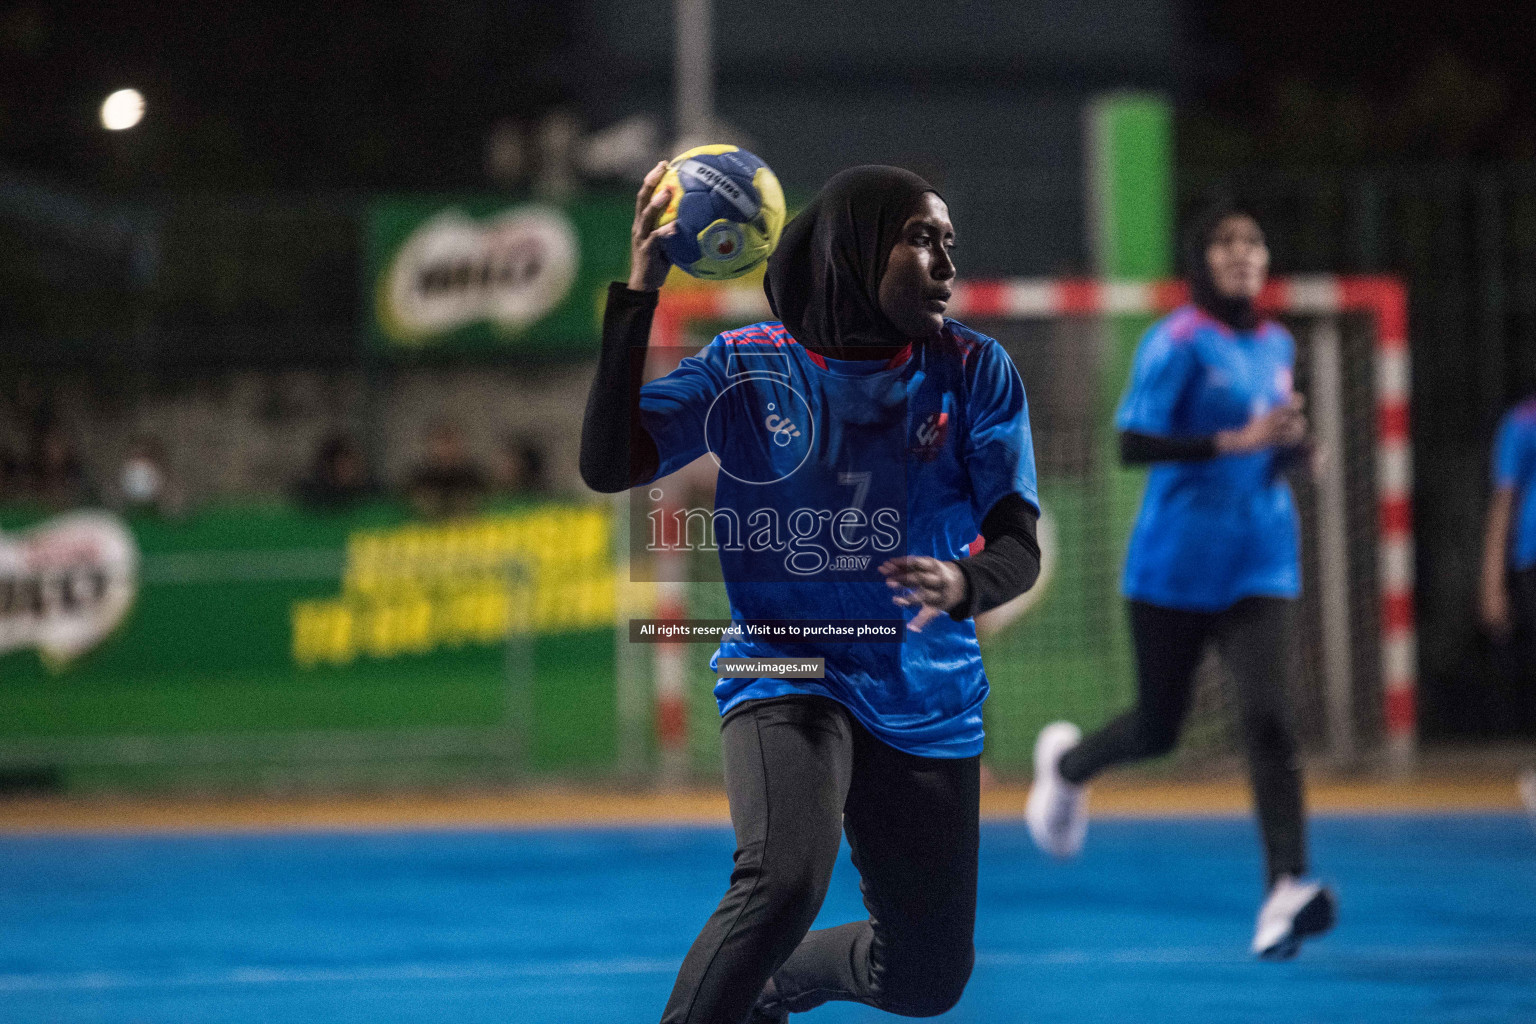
(1137, 448)
(617, 452)
(1008, 565)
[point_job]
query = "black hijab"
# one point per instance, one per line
(823, 280)
(1237, 313)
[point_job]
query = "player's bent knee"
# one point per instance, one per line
(929, 1003)
(929, 992)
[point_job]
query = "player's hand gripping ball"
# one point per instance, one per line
(729, 208)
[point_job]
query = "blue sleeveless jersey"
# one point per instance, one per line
(1514, 466)
(828, 468)
(1214, 531)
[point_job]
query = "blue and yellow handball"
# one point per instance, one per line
(729, 208)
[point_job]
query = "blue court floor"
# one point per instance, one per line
(1152, 924)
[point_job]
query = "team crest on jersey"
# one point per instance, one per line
(930, 436)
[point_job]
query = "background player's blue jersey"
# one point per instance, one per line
(1514, 465)
(830, 467)
(1211, 531)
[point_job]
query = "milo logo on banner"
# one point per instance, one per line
(453, 271)
(66, 584)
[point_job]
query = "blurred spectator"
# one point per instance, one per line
(520, 467)
(447, 482)
(144, 480)
(55, 475)
(338, 476)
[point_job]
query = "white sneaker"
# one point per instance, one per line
(1293, 911)
(1057, 811)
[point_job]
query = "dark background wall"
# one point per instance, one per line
(983, 98)
(223, 231)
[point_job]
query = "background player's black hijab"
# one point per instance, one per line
(1237, 313)
(823, 280)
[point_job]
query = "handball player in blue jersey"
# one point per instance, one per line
(1507, 603)
(863, 441)
(1214, 559)
(1507, 598)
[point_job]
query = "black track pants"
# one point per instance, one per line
(798, 772)
(1253, 639)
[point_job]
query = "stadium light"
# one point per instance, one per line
(123, 109)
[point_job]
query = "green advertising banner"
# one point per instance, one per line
(483, 275)
(148, 644)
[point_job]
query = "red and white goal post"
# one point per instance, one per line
(1321, 299)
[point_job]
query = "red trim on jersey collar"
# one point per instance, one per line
(890, 364)
(776, 335)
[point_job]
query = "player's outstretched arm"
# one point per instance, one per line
(1283, 427)
(1493, 592)
(1138, 448)
(616, 450)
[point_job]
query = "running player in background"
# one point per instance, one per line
(1507, 600)
(894, 410)
(1214, 559)
(1508, 594)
